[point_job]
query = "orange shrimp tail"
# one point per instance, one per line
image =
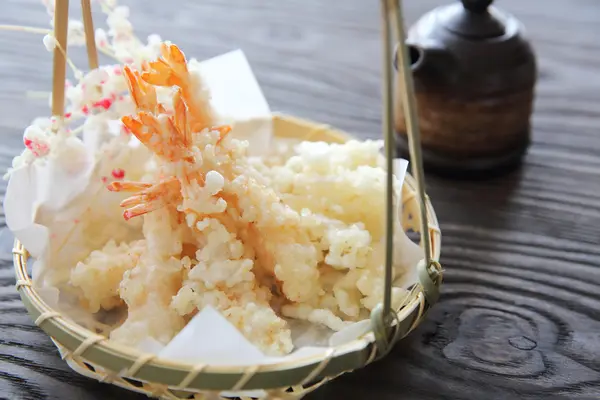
(171, 70)
(180, 118)
(143, 126)
(128, 186)
(133, 124)
(148, 197)
(176, 59)
(168, 135)
(223, 132)
(142, 93)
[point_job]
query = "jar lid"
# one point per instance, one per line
(474, 19)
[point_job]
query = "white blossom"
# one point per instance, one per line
(100, 95)
(37, 139)
(49, 4)
(154, 40)
(101, 38)
(49, 42)
(119, 24)
(108, 3)
(76, 33)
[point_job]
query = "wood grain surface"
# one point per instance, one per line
(519, 317)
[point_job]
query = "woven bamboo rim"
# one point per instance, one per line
(93, 355)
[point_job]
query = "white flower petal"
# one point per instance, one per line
(49, 42)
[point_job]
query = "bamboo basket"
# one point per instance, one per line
(97, 357)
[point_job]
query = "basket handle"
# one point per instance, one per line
(59, 66)
(429, 270)
(90, 39)
(59, 69)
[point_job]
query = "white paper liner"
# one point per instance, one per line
(238, 99)
(62, 192)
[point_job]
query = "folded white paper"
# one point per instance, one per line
(237, 98)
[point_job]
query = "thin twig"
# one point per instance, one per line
(45, 31)
(20, 28)
(41, 31)
(36, 94)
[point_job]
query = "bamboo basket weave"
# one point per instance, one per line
(97, 357)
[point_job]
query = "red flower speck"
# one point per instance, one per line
(104, 103)
(118, 173)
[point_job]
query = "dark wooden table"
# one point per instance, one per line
(520, 313)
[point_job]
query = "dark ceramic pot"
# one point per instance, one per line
(474, 75)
